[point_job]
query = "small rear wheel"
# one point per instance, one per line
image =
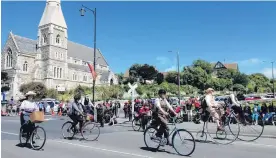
(201, 136)
(22, 136)
(68, 130)
(150, 138)
(136, 124)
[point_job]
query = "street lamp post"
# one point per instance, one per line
(94, 11)
(178, 76)
(273, 86)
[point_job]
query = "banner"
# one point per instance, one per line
(92, 70)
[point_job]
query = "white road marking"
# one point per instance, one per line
(108, 150)
(9, 133)
(95, 148)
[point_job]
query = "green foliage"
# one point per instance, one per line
(159, 78)
(52, 93)
(5, 89)
(147, 72)
(239, 88)
(204, 65)
(4, 76)
(120, 78)
(38, 87)
(226, 73)
(172, 77)
(240, 78)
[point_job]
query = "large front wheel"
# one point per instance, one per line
(38, 138)
(180, 138)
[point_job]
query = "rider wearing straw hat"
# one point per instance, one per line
(27, 107)
(215, 110)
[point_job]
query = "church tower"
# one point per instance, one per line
(52, 44)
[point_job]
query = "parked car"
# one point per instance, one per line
(253, 98)
(3, 113)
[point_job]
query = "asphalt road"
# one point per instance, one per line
(120, 141)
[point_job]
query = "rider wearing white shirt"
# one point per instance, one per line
(160, 113)
(214, 108)
(27, 107)
(236, 106)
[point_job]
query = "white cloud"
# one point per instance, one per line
(268, 72)
(163, 60)
(172, 68)
(251, 61)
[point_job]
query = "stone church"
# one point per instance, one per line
(52, 59)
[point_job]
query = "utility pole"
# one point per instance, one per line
(178, 76)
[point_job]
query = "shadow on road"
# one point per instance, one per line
(206, 142)
(25, 145)
(155, 150)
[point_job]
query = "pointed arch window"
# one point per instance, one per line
(9, 58)
(45, 39)
(58, 39)
(25, 66)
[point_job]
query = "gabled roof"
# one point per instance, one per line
(75, 50)
(25, 45)
(220, 65)
(85, 53)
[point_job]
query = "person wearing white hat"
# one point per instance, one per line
(216, 111)
(27, 107)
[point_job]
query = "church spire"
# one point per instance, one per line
(53, 14)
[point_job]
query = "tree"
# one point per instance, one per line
(226, 73)
(5, 89)
(239, 88)
(240, 78)
(4, 76)
(4, 79)
(159, 78)
(205, 65)
(134, 70)
(147, 72)
(196, 77)
(120, 78)
(172, 77)
(260, 80)
(38, 87)
(52, 93)
(79, 90)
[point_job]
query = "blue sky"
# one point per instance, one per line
(144, 32)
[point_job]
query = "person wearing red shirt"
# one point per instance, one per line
(144, 115)
(197, 105)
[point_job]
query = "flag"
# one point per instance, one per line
(94, 75)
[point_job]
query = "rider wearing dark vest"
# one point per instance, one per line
(160, 113)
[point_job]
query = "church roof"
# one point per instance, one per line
(25, 45)
(75, 50)
(104, 74)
